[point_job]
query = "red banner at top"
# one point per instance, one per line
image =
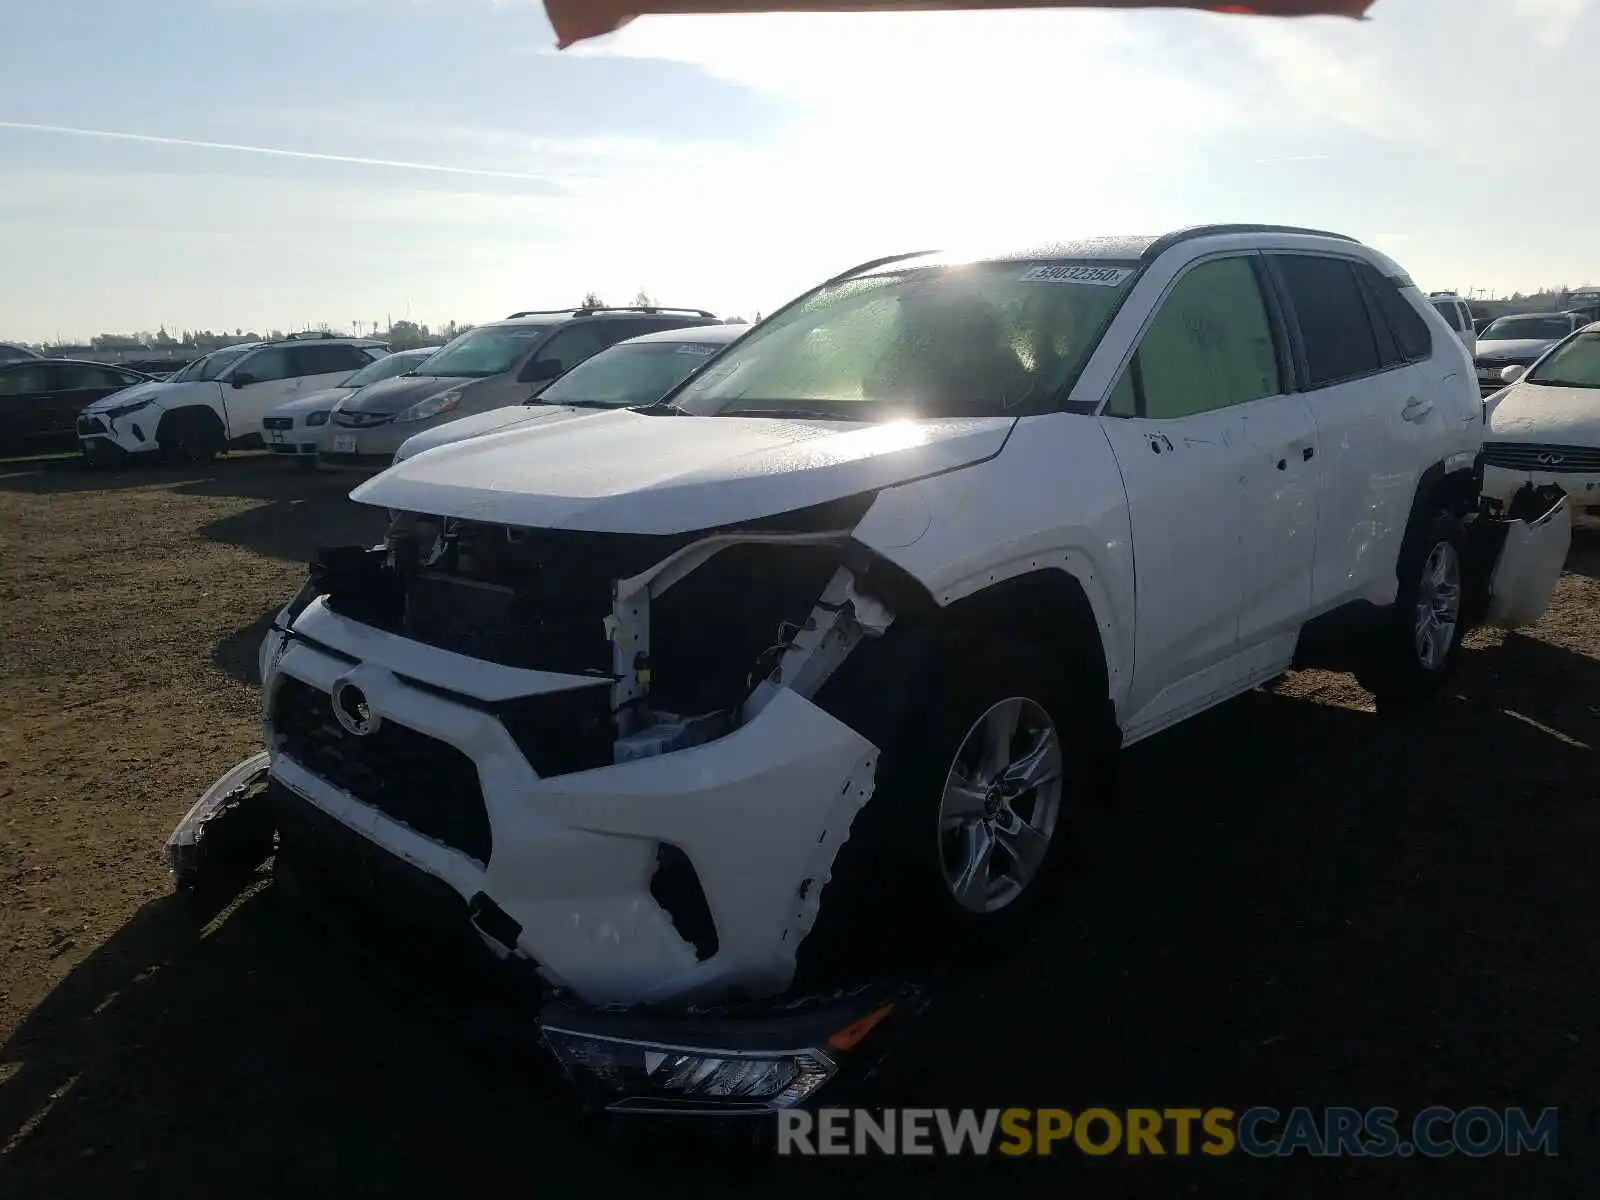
(576, 20)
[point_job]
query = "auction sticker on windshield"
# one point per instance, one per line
(1069, 273)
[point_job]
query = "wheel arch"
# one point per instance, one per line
(1048, 606)
(202, 415)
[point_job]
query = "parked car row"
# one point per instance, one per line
(327, 400)
(490, 367)
(218, 401)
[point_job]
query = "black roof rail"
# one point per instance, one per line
(602, 308)
(315, 335)
(1168, 240)
(873, 264)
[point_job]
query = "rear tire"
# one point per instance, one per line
(1419, 641)
(979, 776)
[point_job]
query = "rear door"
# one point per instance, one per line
(76, 386)
(318, 367)
(1376, 420)
(24, 400)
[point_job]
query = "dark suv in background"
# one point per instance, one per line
(488, 367)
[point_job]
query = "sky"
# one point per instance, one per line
(267, 164)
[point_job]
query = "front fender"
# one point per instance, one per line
(1052, 498)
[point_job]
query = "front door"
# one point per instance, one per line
(1198, 408)
(259, 383)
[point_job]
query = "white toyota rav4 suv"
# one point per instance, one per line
(219, 400)
(819, 656)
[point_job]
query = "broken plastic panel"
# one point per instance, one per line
(226, 830)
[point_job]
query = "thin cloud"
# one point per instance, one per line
(1292, 158)
(275, 151)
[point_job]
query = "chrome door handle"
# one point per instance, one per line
(1416, 409)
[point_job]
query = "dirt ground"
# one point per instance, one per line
(1297, 901)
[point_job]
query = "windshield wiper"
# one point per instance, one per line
(789, 413)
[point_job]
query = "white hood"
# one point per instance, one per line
(624, 472)
(161, 390)
(479, 424)
(1517, 349)
(1527, 412)
(320, 400)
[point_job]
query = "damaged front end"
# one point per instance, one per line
(585, 771)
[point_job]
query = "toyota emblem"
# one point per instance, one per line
(351, 710)
(1552, 460)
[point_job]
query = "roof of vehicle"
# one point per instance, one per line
(16, 346)
(718, 334)
(37, 360)
(296, 338)
(1124, 248)
(535, 316)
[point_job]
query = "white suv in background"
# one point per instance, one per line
(813, 664)
(1457, 314)
(219, 400)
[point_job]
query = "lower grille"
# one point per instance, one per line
(425, 784)
(277, 422)
(1533, 456)
(360, 420)
(402, 915)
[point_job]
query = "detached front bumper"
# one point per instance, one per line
(739, 1060)
(676, 877)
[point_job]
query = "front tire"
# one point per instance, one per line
(979, 776)
(187, 437)
(1420, 640)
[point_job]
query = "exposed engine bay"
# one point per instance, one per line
(686, 637)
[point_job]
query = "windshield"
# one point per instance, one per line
(386, 367)
(990, 339)
(628, 375)
(1508, 329)
(211, 365)
(1576, 364)
(479, 353)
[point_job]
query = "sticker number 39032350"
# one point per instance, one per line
(1070, 273)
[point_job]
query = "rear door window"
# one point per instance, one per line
(1335, 328)
(326, 360)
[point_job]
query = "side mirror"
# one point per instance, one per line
(1513, 373)
(542, 370)
(240, 381)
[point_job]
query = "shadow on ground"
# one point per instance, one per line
(1292, 903)
(299, 511)
(1584, 558)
